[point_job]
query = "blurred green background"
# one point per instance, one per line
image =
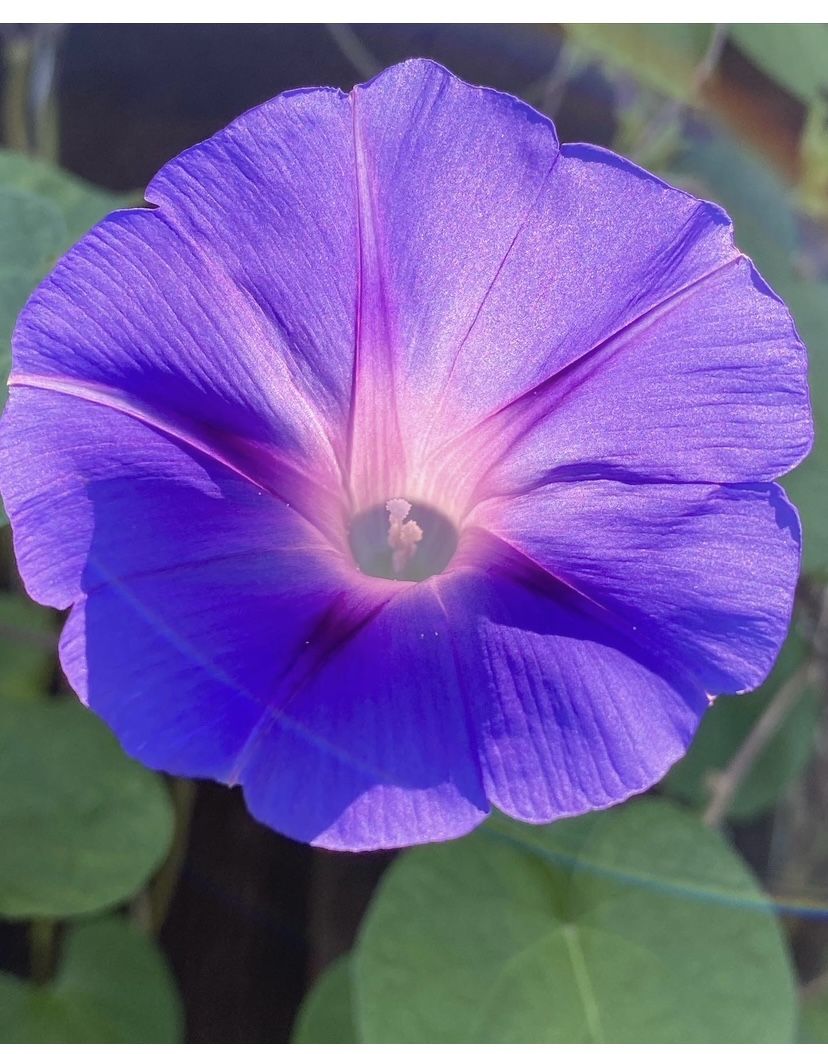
(134, 908)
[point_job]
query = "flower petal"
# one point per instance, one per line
(408, 291)
(703, 573)
(341, 715)
(232, 304)
(626, 337)
(570, 713)
(447, 177)
(393, 761)
(178, 569)
(713, 389)
(604, 243)
(267, 206)
(221, 636)
(94, 493)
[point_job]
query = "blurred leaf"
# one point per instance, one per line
(28, 642)
(725, 728)
(813, 183)
(113, 986)
(30, 228)
(81, 204)
(632, 925)
(665, 56)
(795, 55)
(83, 825)
(16, 283)
(814, 1023)
(326, 1014)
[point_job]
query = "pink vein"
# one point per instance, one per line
(488, 291)
(614, 342)
(366, 241)
(120, 401)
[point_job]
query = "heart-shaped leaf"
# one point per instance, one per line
(326, 1015)
(83, 825)
(112, 986)
(633, 925)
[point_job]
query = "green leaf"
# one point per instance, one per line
(326, 1015)
(28, 641)
(633, 925)
(793, 54)
(814, 1023)
(665, 56)
(81, 204)
(112, 986)
(725, 728)
(83, 825)
(30, 228)
(813, 156)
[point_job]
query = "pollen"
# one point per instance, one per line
(404, 535)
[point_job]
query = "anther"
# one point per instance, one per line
(403, 535)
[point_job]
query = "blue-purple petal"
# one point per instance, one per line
(704, 574)
(570, 713)
(411, 291)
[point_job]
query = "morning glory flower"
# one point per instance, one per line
(400, 462)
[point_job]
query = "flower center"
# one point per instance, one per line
(402, 541)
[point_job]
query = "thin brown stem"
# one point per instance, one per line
(349, 43)
(17, 56)
(727, 783)
(163, 888)
(673, 109)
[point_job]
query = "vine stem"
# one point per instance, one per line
(43, 102)
(15, 94)
(673, 109)
(158, 898)
(29, 105)
(726, 783)
(349, 43)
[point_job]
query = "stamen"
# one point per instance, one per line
(408, 543)
(403, 537)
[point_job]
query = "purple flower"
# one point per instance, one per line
(401, 462)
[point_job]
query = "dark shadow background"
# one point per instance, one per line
(132, 97)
